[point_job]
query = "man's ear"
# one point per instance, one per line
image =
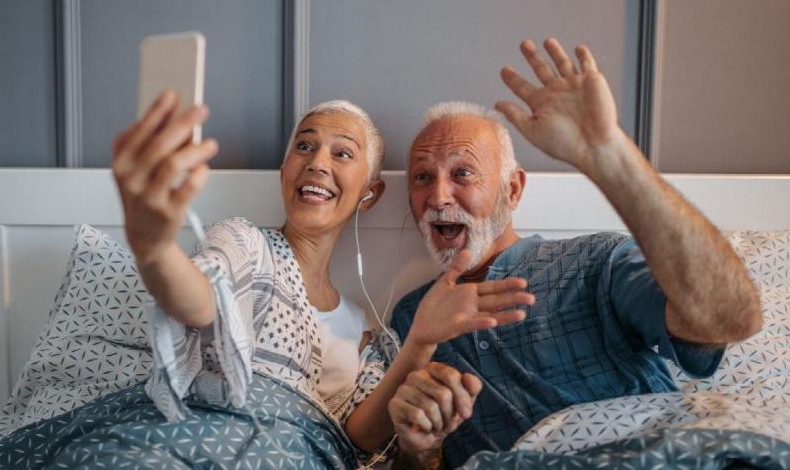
(518, 180)
(377, 187)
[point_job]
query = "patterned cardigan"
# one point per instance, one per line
(264, 324)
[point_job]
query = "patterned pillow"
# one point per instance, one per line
(96, 339)
(765, 254)
(761, 364)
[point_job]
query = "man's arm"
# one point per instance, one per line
(711, 298)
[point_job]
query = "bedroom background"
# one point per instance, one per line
(692, 90)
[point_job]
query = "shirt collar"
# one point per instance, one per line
(514, 256)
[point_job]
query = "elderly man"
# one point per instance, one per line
(609, 308)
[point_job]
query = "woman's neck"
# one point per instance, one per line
(313, 253)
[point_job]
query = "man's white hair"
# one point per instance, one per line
(374, 150)
(451, 109)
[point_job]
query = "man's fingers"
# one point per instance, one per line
(405, 412)
(541, 68)
(517, 84)
(430, 409)
(169, 169)
(452, 379)
(506, 317)
(586, 59)
(457, 267)
(561, 61)
(473, 384)
(516, 116)
(476, 323)
(441, 395)
(193, 183)
(501, 285)
(494, 302)
(159, 112)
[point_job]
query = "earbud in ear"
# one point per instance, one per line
(369, 195)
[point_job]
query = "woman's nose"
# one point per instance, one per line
(320, 161)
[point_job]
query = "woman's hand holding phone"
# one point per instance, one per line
(149, 159)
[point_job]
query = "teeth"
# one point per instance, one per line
(317, 190)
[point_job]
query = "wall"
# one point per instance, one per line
(724, 104)
(27, 84)
(397, 58)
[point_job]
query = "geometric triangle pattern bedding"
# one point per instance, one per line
(759, 365)
(95, 341)
(124, 430)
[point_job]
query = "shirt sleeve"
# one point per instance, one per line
(230, 258)
(640, 306)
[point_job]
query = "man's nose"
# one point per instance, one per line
(442, 194)
(320, 161)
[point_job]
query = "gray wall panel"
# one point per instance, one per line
(243, 72)
(725, 105)
(27, 84)
(396, 58)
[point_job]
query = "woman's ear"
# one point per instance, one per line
(376, 187)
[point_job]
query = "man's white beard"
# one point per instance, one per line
(480, 233)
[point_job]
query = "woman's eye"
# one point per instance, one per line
(345, 154)
(303, 146)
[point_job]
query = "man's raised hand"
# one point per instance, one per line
(572, 113)
(449, 310)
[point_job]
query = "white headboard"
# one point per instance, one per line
(38, 209)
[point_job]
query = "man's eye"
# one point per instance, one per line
(344, 154)
(422, 177)
(303, 146)
(463, 173)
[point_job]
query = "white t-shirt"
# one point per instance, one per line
(341, 332)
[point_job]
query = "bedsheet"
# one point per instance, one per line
(704, 429)
(125, 430)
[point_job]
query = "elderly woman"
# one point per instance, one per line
(259, 360)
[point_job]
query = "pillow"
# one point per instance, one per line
(759, 365)
(765, 254)
(96, 338)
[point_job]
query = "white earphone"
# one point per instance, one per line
(369, 195)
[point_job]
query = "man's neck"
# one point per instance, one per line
(478, 272)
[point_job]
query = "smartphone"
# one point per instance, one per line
(172, 61)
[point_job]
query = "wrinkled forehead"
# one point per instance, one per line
(451, 137)
(337, 124)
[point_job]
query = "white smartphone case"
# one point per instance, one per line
(172, 61)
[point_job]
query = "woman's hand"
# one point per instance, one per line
(572, 115)
(449, 310)
(148, 160)
(431, 404)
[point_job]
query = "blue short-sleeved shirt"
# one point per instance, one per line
(597, 331)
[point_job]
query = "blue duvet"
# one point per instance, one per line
(125, 430)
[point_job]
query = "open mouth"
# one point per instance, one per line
(448, 230)
(313, 192)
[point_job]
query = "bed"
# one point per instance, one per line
(53, 360)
